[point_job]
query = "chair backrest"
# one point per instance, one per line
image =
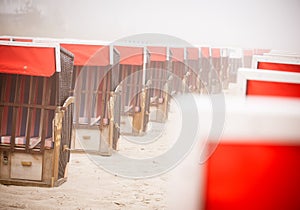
(255, 161)
(266, 176)
(278, 63)
(255, 165)
(268, 83)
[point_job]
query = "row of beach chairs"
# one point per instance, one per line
(254, 164)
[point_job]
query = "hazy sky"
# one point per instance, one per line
(273, 24)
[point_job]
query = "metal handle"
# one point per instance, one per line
(26, 163)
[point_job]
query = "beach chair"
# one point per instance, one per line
(253, 164)
(268, 83)
(134, 92)
(97, 106)
(158, 75)
(36, 111)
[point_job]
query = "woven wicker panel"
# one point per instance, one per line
(65, 76)
(64, 91)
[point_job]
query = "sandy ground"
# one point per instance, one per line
(90, 187)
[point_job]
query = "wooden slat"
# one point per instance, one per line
(99, 94)
(8, 110)
(50, 114)
(15, 113)
(109, 84)
(57, 143)
(46, 95)
(124, 90)
(21, 100)
(104, 107)
(3, 85)
(163, 78)
(77, 93)
(133, 81)
(25, 101)
(90, 84)
(38, 96)
(169, 69)
(149, 77)
(158, 77)
(29, 112)
(94, 94)
(85, 93)
(38, 106)
(128, 81)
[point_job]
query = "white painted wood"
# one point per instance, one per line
(258, 120)
(33, 172)
(253, 119)
(245, 74)
(168, 53)
(145, 60)
(111, 55)
(275, 59)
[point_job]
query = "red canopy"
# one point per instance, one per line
(89, 55)
(177, 54)
(27, 60)
(216, 52)
(158, 53)
(130, 55)
(205, 52)
(193, 53)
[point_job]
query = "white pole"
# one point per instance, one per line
(145, 53)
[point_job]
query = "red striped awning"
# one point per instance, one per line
(89, 55)
(27, 60)
(158, 53)
(130, 55)
(177, 54)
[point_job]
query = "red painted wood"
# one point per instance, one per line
(279, 66)
(263, 88)
(253, 176)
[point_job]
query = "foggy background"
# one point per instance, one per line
(271, 24)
